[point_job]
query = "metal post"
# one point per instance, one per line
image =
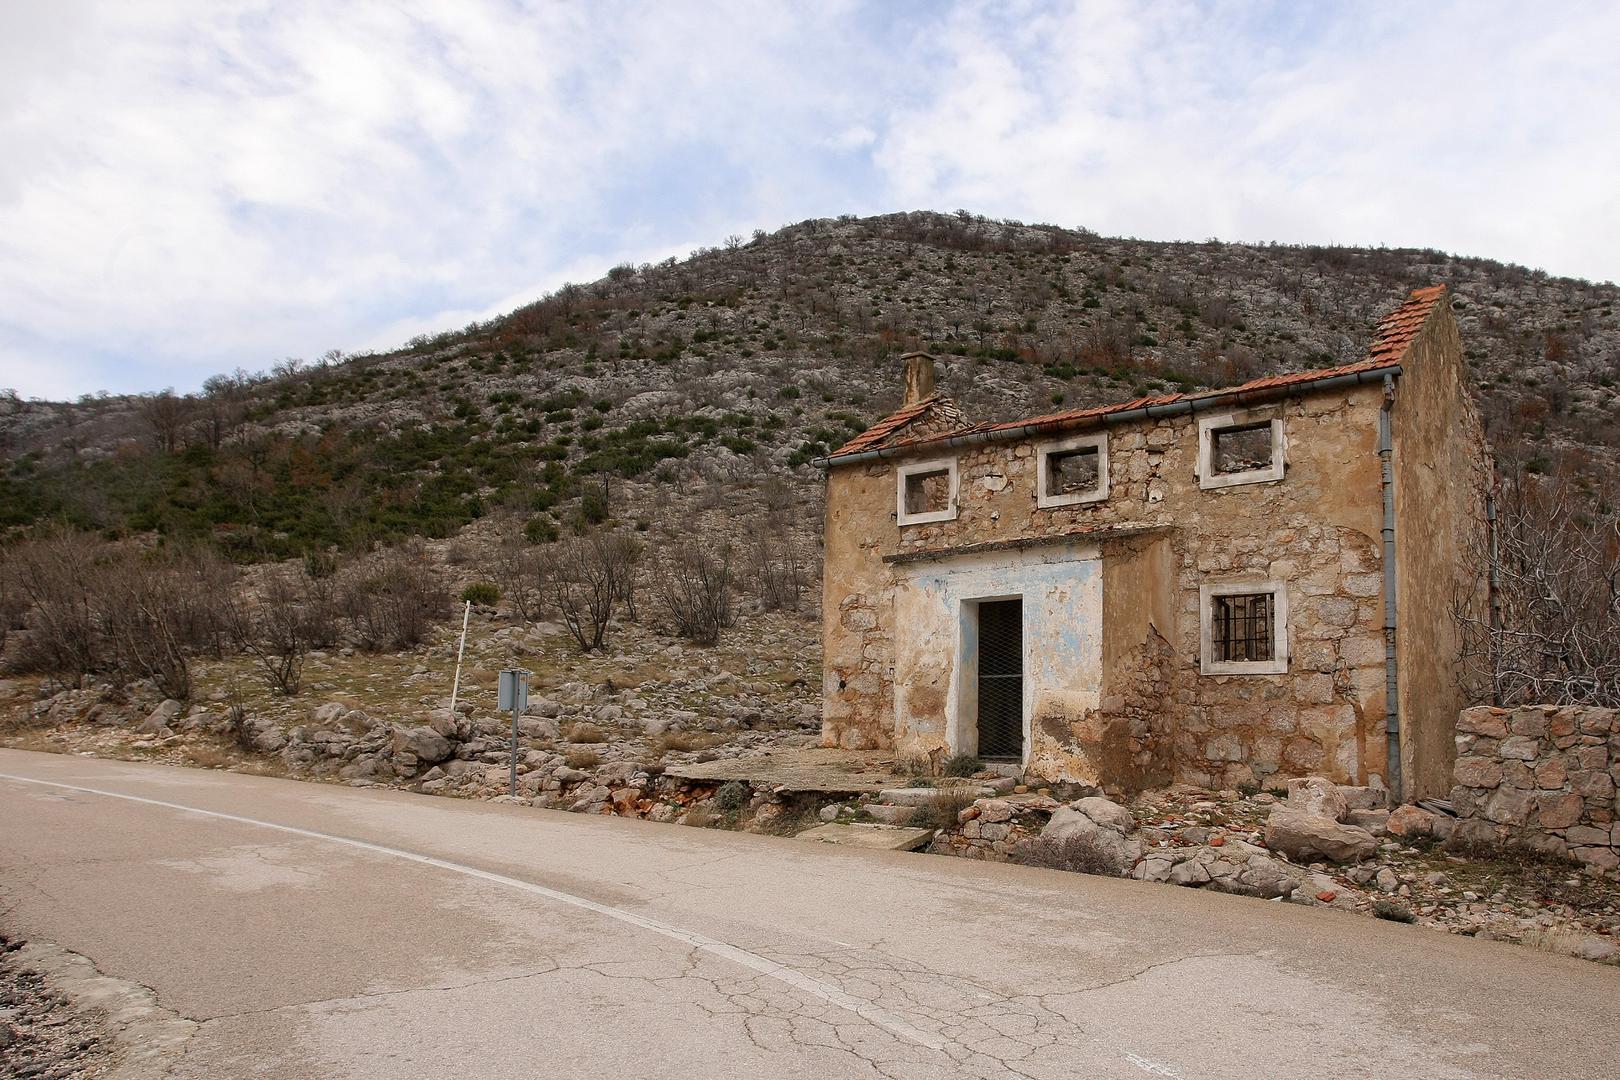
(514, 695)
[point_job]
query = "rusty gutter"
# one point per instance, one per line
(1201, 403)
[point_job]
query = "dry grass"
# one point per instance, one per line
(582, 759)
(684, 741)
(1560, 940)
(584, 733)
(207, 757)
(942, 808)
(1076, 853)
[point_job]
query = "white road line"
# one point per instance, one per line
(753, 961)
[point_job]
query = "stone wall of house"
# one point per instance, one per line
(1539, 776)
(1316, 530)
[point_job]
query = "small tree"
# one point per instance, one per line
(586, 584)
(694, 589)
(276, 629)
(1553, 635)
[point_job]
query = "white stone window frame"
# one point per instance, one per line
(1208, 426)
(1207, 592)
(1046, 500)
(923, 468)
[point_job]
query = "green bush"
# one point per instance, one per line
(540, 530)
(963, 765)
(732, 796)
(482, 593)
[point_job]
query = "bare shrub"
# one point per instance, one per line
(780, 570)
(586, 583)
(1554, 634)
(145, 602)
(694, 590)
(107, 609)
(393, 601)
(1077, 853)
(278, 628)
(514, 565)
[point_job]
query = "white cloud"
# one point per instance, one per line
(188, 187)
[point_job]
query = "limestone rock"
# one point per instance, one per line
(157, 722)
(1317, 795)
(1410, 822)
(423, 743)
(1109, 827)
(1305, 837)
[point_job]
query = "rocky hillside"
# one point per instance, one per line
(709, 384)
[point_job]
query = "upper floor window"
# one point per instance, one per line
(1240, 448)
(1072, 471)
(926, 492)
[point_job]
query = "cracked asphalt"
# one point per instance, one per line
(320, 931)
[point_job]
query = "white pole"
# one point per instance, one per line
(455, 687)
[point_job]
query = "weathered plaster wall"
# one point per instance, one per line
(1061, 591)
(1441, 474)
(1317, 529)
(1542, 777)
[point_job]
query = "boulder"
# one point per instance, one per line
(157, 722)
(1107, 826)
(1306, 837)
(1371, 820)
(1317, 795)
(1234, 866)
(1410, 822)
(422, 743)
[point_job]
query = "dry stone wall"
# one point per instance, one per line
(1540, 776)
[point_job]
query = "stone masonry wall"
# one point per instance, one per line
(1316, 530)
(1542, 777)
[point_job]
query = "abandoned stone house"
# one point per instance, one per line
(1222, 588)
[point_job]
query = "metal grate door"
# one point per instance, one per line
(1001, 680)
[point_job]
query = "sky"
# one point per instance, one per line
(191, 187)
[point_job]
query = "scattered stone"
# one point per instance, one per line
(1305, 836)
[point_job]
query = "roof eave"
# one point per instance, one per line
(1192, 404)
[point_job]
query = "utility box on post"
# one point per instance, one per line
(514, 690)
(514, 695)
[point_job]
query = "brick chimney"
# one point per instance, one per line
(919, 377)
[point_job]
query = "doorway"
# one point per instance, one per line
(1001, 680)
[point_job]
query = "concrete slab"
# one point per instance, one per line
(880, 837)
(808, 769)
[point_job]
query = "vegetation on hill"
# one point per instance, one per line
(746, 361)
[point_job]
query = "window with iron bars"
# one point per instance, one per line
(1241, 627)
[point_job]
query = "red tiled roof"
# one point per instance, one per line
(1396, 332)
(885, 427)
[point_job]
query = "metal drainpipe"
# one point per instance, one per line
(1392, 705)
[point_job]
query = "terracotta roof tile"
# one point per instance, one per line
(1395, 334)
(897, 420)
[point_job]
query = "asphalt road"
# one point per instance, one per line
(318, 931)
